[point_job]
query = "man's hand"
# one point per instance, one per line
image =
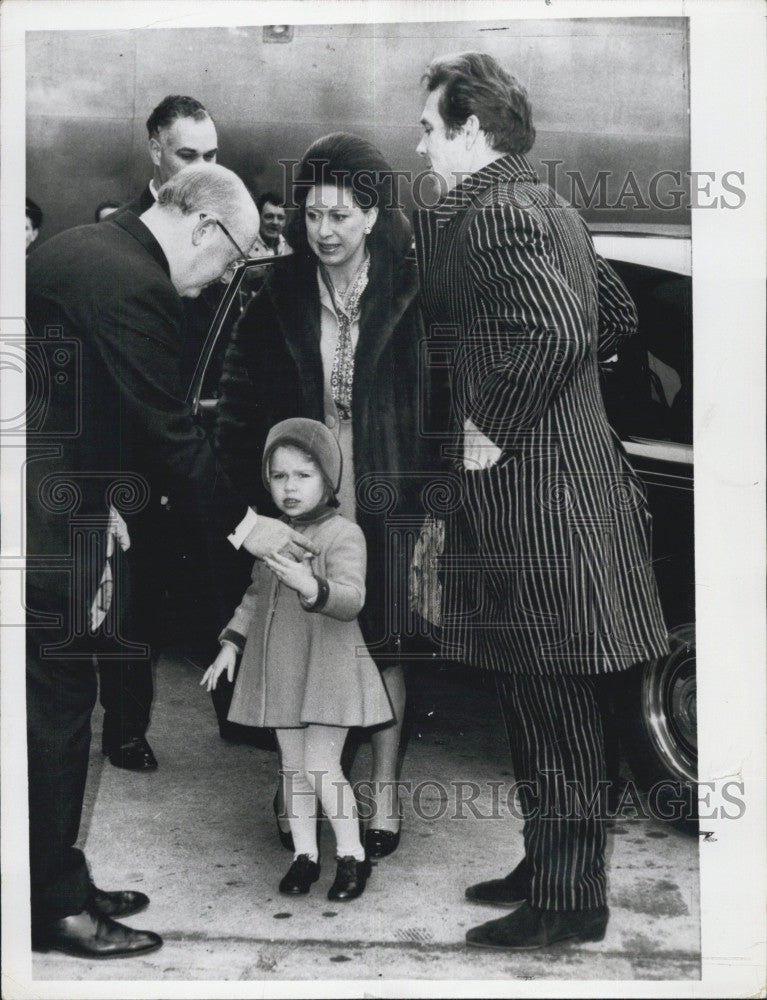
(269, 535)
(479, 452)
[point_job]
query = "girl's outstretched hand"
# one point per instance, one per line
(296, 575)
(225, 660)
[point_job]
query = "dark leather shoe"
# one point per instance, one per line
(118, 904)
(135, 755)
(508, 891)
(351, 879)
(89, 935)
(300, 877)
(250, 736)
(380, 843)
(528, 928)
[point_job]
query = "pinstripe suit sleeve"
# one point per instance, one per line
(617, 313)
(532, 332)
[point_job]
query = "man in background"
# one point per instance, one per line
(181, 133)
(271, 242)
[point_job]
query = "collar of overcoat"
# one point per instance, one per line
(506, 169)
(131, 223)
(295, 294)
(433, 225)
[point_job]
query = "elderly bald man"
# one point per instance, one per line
(106, 298)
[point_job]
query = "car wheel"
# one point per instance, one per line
(661, 739)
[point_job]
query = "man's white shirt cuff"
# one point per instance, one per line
(243, 529)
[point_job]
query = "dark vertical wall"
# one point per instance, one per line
(607, 94)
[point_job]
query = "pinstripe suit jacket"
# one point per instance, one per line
(547, 565)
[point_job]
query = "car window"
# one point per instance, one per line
(244, 285)
(648, 390)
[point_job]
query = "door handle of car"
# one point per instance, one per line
(667, 451)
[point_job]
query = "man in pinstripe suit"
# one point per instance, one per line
(546, 576)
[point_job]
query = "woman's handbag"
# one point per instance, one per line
(425, 588)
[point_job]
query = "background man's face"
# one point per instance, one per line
(183, 142)
(272, 222)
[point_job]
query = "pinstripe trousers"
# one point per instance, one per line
(555, 732)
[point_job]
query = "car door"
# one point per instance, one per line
(648, 396)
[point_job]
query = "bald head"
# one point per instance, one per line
(205, 220)
(216, 191)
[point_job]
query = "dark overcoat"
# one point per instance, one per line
(273, 370)
(548, 567)
(108, 417)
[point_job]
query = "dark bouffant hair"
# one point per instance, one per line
(344, 160)
(474, 84)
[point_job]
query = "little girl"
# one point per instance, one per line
(305, 669)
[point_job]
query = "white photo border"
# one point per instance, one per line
(728, 86)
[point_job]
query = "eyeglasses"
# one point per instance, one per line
(243, 256)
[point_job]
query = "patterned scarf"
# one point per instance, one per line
(347, 312)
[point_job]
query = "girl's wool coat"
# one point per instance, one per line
(301, 666)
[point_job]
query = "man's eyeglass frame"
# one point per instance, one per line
(243, 256)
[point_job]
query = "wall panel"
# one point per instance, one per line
(607, 94)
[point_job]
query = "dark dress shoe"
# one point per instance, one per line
(300, 877)
(118, 904)
(380, 843)
(528, 928)
(514, 888)
(351, 878)
(135, 755)
(250, 736)
(89, 935)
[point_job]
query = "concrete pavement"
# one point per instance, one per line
(198, 836)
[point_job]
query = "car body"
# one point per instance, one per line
(648, 396)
